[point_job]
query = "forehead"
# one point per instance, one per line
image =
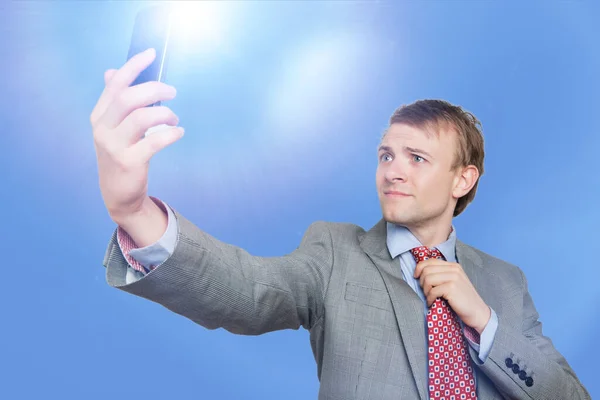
(429, 138)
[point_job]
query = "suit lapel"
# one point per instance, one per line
(406, 304)
(470, 263)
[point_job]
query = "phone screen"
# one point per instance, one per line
(152, 29)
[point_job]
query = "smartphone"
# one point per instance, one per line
(152, 28)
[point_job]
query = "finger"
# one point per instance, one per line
(419, 268)
(131, 69)
(437, 279)
(427, 264)
(108, 75)
(152, 144)
(435, 269)
(100, 106)
(121, 79)
(135, 97)
(135, 125)
(437, 292)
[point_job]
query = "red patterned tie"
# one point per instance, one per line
(450, 371)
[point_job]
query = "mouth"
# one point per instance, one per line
(395, 194)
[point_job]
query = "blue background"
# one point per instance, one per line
(283, 111)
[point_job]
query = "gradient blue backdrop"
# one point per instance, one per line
(283, 111)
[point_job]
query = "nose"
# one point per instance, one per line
(394, 171)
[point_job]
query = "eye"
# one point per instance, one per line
(416, 156)
(384, 155)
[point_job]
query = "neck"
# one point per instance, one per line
(431, 235)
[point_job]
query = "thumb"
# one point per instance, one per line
(108, 75)
(157, 140)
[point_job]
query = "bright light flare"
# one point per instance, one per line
(198, 25)
(317, 80)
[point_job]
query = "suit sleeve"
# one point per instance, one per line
(218, 285)
(524, 364)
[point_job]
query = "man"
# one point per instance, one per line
(402, 311)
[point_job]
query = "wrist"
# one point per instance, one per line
(486, 314)
(145, 226)
(123, 218)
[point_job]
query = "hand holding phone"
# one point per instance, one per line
(119, 120)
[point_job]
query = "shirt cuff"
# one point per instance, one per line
(482, 344)
(145, 259)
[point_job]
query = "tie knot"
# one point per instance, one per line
(422, 253)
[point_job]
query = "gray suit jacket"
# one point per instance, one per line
(366, 324)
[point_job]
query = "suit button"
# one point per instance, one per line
(508, 362)
(522, 375)
(515, 368)
(529, 381)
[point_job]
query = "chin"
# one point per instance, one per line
(393, 217)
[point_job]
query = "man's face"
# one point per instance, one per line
(417, 166)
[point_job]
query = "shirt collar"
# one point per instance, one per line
(400, 240)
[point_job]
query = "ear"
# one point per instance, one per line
(465, 179)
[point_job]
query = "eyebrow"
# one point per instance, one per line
(409, 149)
